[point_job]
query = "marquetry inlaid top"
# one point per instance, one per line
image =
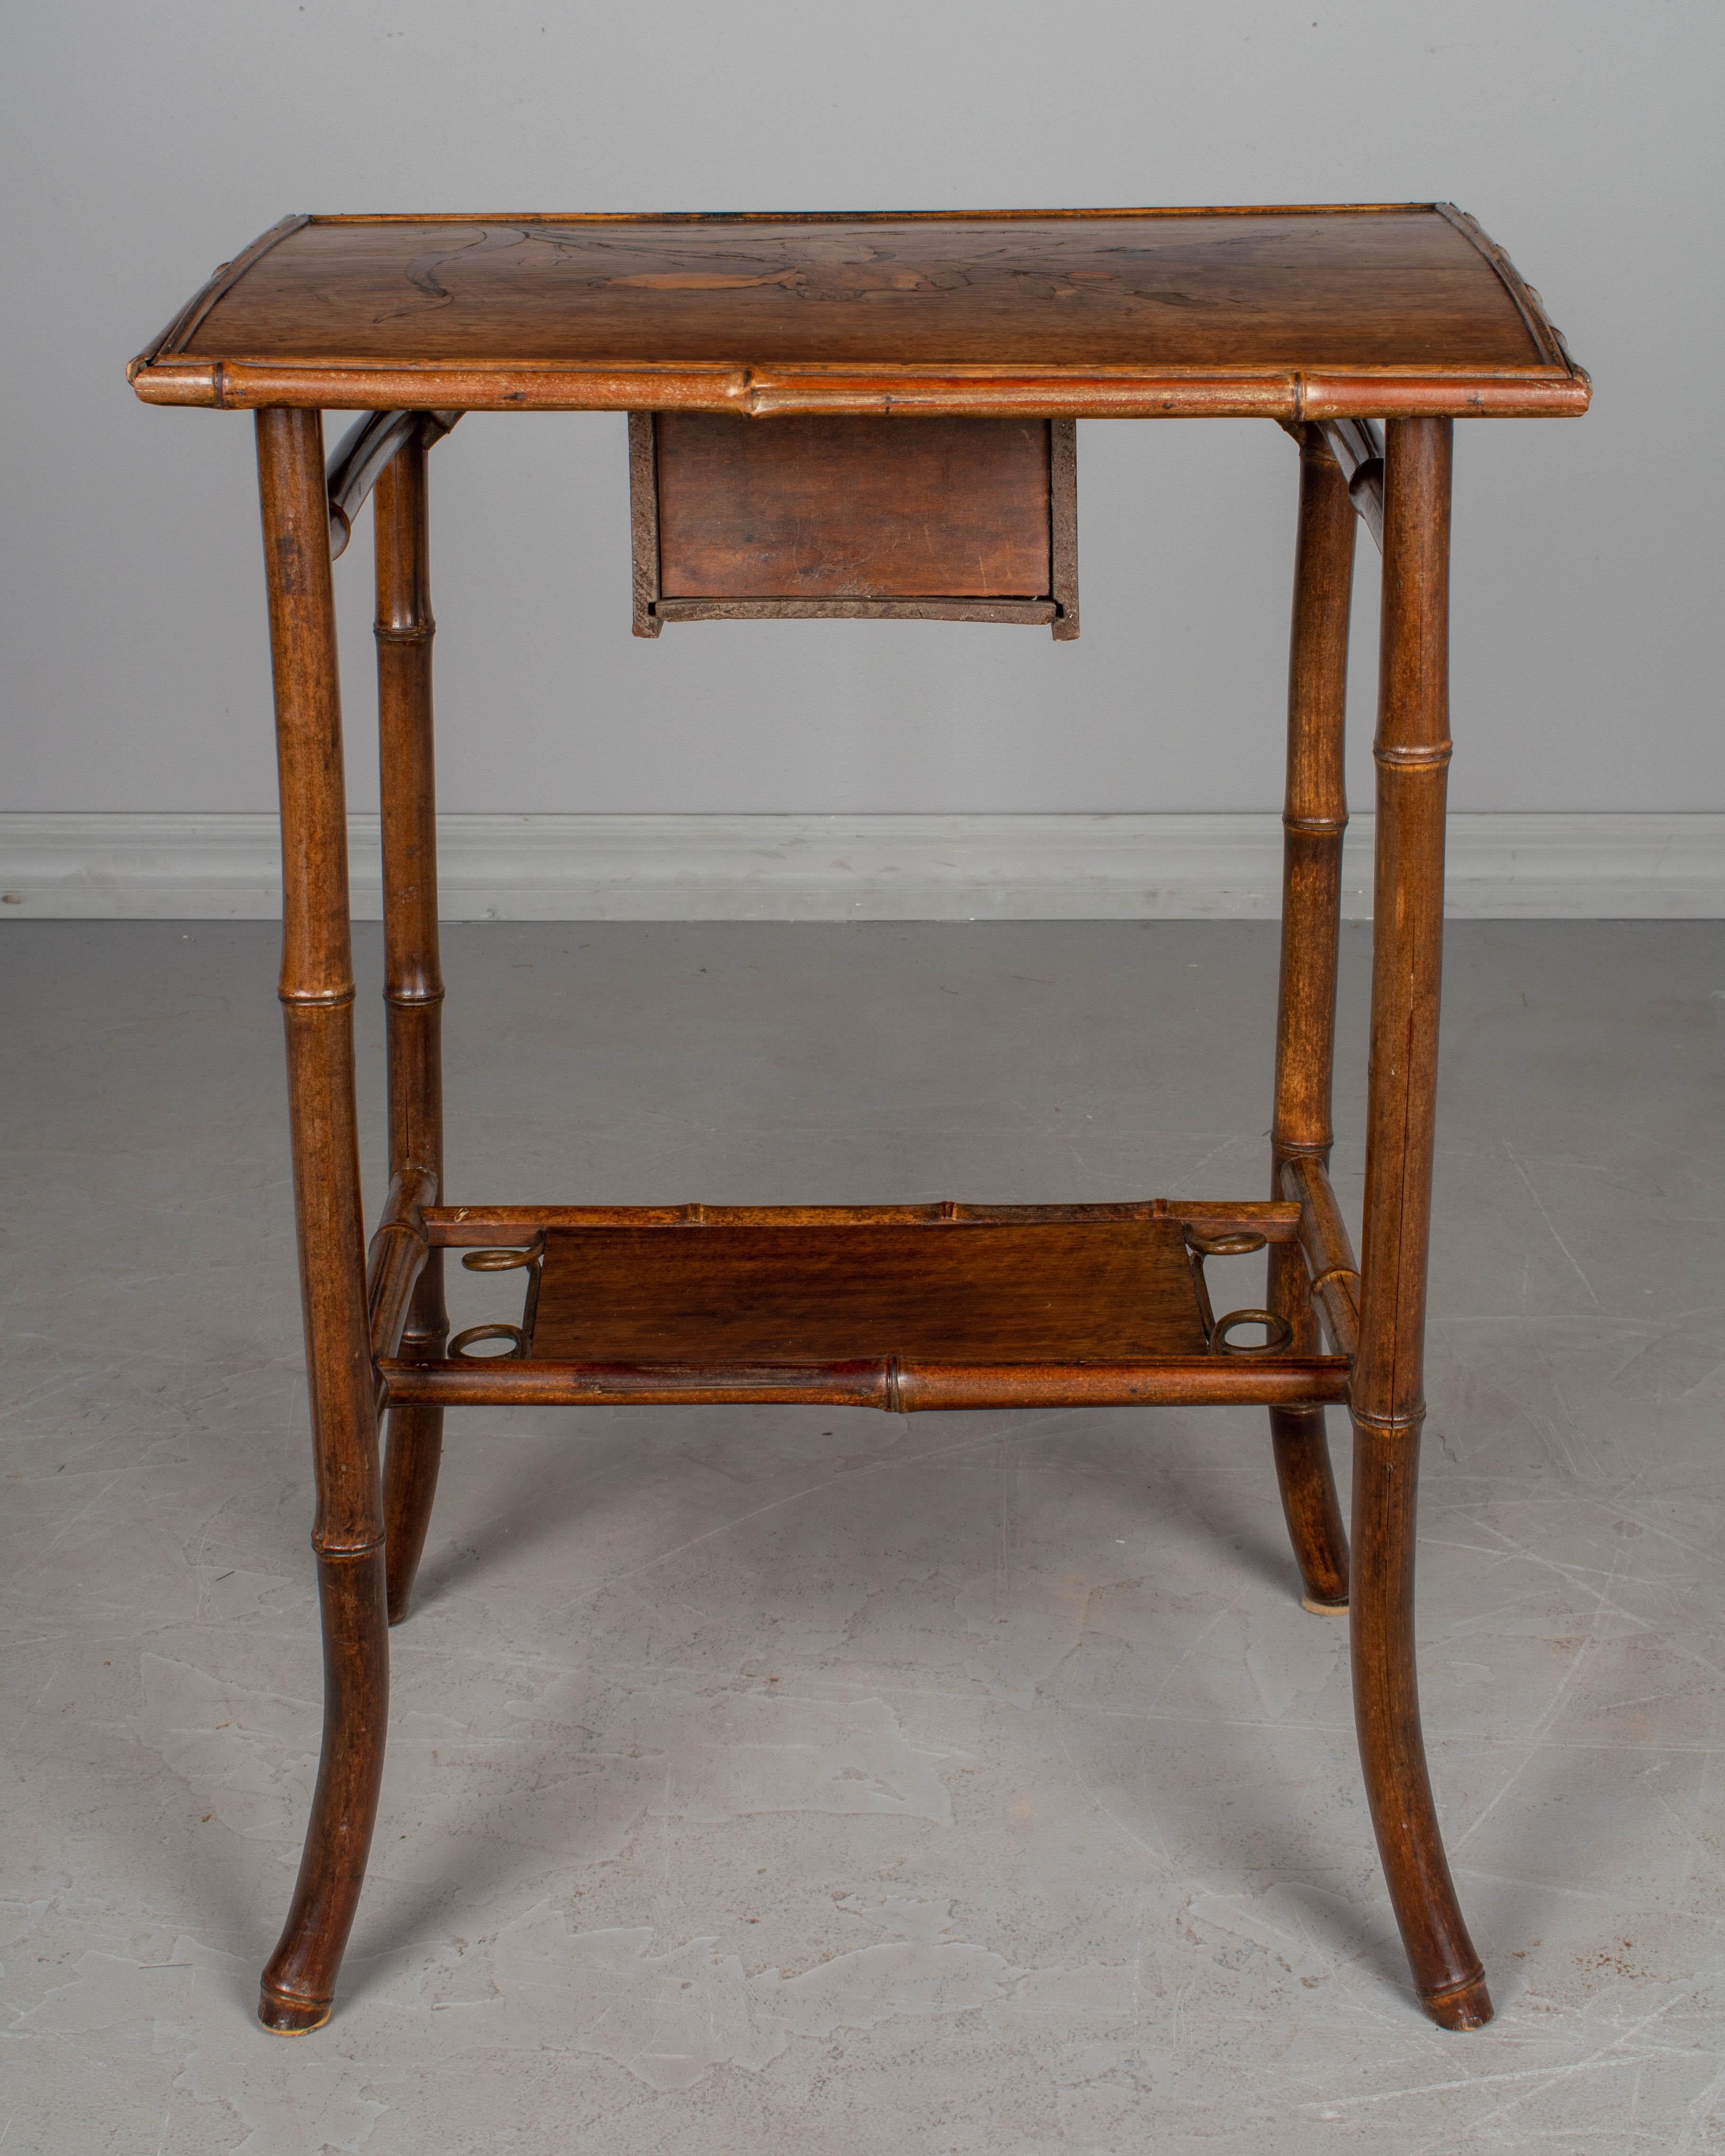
(1283, 313)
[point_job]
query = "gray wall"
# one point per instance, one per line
(149, 143)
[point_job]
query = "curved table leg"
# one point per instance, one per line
(1411, 753)
(299, 1982)
(1314, 817)
(317, 999)
(413, 988)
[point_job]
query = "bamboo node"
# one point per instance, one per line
(1309, 439)
(1414, 756)
(1401, 1425)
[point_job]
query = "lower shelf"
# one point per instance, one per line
(1072, 1292)
(900, 1307)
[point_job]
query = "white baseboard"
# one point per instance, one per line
(198, 867)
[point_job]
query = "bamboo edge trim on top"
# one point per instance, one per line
(505, 386)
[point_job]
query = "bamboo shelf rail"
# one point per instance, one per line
(868, 417)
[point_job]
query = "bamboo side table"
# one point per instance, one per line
(993, 333)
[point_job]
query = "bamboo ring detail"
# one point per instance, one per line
(505, 1261)
(1278, 1333)
(458, 1346)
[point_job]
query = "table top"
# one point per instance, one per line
(1311, 313)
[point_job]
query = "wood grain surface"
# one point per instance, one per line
(1113, 1291)
(1274, 310)
(814, 507)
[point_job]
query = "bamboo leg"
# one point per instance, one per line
(1314, 818)
(1412, 753)
(414, 988)
(317, 999)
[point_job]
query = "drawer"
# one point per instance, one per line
(867, 517)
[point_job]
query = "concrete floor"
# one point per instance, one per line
(787, 1780)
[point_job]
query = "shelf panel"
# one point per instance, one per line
(1110, 1292)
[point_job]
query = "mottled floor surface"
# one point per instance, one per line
(782, 1780)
